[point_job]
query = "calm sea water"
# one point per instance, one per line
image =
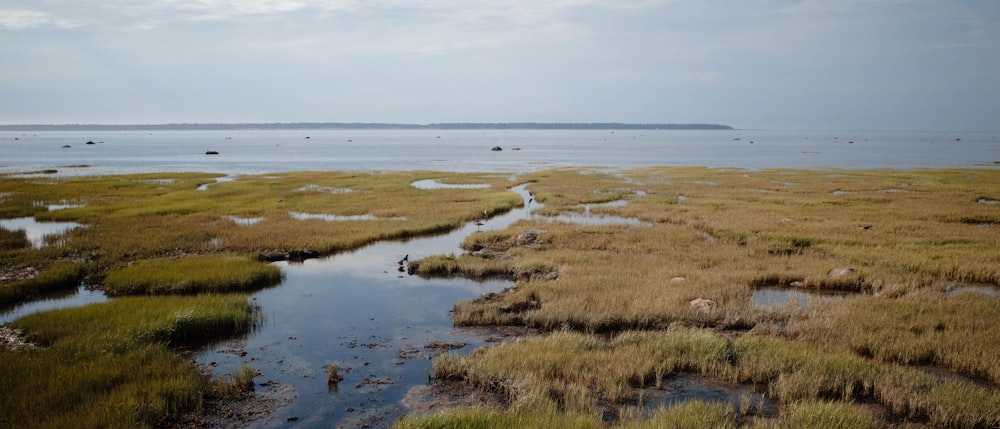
(265, 151)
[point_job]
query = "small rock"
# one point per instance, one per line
(703, 305)
(678, 279)
(530, 236)
(797, 283)
(841, 272)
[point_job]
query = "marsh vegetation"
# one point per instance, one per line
(903, 344)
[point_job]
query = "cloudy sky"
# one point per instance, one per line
(786, 64)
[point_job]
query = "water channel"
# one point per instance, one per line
(358, 311)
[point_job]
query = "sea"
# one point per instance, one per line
(261, 151)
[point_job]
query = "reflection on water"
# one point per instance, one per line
(217, 180)
(37, 231)
(686, 387)
(430, 184)
(990, 291)
(312, 187)
(80, 297)
(776, 296)
(338, 218)
(586, 218)
(245, 221)
(62, 205)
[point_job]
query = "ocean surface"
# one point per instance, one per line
(266, 151)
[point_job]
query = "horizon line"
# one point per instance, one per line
(363, 125)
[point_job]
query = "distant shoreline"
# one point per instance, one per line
(367, 126)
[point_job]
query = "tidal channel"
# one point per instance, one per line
(356, 310)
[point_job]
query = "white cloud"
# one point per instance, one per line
(22, 19)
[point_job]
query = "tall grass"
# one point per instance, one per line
(194, 274)
(110, 365)
(13, 240)
(60, 276)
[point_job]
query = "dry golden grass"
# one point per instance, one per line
(720, 234)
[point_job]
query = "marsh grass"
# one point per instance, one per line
(193, 274)
(234, 385)
(13, 240)
(569, 371)
(716, 234)
(59, 276)
(110, 364)
(142, 216)
(720, 234)
(823, 414)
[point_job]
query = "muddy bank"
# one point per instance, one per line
(12, 340)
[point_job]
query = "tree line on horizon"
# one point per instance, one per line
(369, 125)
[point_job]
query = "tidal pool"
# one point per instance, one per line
(431, 184)
(35, 230)
(991, 291)
(685, 387)
(777, 296)
(586, 218)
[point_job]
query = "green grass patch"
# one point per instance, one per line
(60, 276)
(193, 274)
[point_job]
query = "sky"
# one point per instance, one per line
(770, 64)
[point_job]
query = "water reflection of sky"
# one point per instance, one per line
(37, 231)
(769, 297)
(76, 298)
